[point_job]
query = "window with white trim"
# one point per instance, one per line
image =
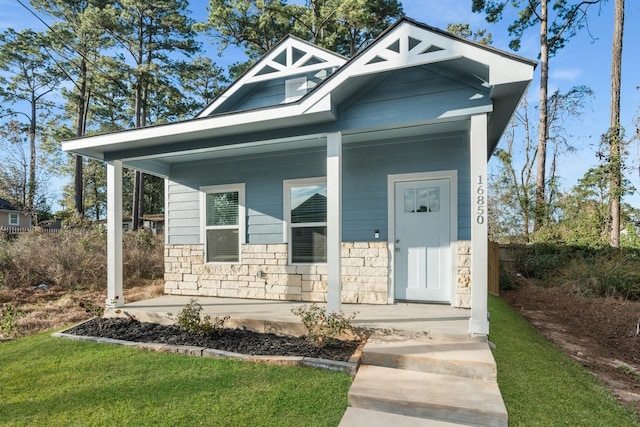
(305, 208)
(223, 222)
(14, 219)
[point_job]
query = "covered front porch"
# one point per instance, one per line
(434, 320)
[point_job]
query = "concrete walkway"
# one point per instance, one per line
(419, 367)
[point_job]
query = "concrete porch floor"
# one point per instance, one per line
(399, 318)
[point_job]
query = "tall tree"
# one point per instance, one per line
(78, 42)
(343, 26)
(464, 30)
(513, 186)
(568, 18)
(28, 77)
(615, 131)
(152, 33)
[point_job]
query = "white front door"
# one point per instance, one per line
(423, 240)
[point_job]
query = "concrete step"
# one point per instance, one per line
(426, 395)
(471, 359)
(358, 417)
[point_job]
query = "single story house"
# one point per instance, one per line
(12, 217)
(315, 177)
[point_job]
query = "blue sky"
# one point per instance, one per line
(584, 61)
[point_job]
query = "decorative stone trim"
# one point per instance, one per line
(463, 291)
(265, 273)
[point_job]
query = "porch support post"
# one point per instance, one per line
(114, 234)
(479, 322)
(334, 220)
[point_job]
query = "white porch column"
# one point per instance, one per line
(334, 220)
(479, 323)
(114, 234)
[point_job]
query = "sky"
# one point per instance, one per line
(585, 60)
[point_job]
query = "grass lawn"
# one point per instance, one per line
(540, 385)
(58, 382)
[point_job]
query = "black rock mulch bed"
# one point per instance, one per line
(234, 340)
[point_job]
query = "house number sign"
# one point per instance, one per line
(480, 201)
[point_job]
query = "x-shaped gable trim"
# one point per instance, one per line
(292, 56)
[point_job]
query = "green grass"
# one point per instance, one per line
(540, 385)
(58, 382)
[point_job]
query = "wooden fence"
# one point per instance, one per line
(494, 268)
(20, 230)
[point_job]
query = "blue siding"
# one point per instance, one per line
(183, 216)
(269, 93)
(365, 170)
(367, 166)
(410, 95)
(405, 96)
(263, 176)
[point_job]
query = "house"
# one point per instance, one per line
(11, 217)
(153, 223)
(315, 177)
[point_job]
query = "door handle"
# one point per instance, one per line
(397, 249)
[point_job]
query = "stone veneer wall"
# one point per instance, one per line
(463, 294)
(265, 274)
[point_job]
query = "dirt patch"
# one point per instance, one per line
(55, 307)
(235, 340)
(600, 333)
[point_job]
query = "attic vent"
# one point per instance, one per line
(295, 89)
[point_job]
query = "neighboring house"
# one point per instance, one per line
(153, 223)
(11, 217)
(315, 177)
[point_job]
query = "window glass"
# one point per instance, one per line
(222, 224)
(308, 221)
(13, 219)
(223, 245)
(409, 200)
(222, 208)
(309, 204)
(422, 199)
(309, 244)
(434, 199)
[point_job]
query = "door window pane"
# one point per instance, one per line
(410, 200)
(434, 199)
(422, 199)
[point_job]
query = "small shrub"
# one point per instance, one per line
(190, 320)
(321, 326)
(8, 316)
(95, 310)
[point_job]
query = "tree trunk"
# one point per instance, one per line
(543, 128)
(78, 186)
(31, 189)
(615, 154)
